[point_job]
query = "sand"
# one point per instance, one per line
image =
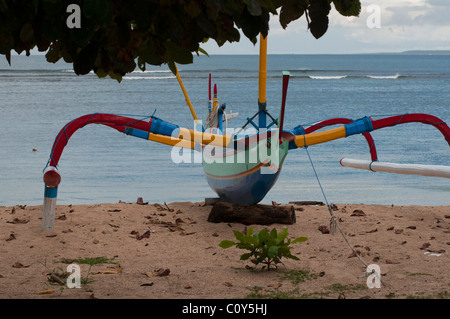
(158, 251)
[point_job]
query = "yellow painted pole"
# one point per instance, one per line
(320, 137)
(205, 138)
(188, 101)
(262, 69)
(172, 141)
(187, 138)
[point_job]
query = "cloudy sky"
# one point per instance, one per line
(383, 26)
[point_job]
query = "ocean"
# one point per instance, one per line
(101, 165)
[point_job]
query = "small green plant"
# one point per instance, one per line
(266, 247)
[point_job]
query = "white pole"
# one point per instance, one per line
(410, 169)
(51, 179)
(48, 212)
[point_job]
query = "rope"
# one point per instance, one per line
(334, 221)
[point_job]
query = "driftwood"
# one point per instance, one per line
(307, 202)
(252, 214)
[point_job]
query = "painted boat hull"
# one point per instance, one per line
(247, 182)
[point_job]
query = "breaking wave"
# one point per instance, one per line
(396, 76)
(149, 77)
(327, 77)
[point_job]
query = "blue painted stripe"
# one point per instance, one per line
(298, 130)
(136, 133)
(50, 192)
(359, 126)
(262, 121)
(163, 128)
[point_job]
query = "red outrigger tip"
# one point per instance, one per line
(51, 177)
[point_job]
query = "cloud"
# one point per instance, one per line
(404, 25)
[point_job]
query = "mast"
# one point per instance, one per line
(262, 81)
(283, 101)
(209, 95)
(186, 96)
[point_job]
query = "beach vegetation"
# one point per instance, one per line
(298, 276)
(58, 276)
(422, 295)
(265, 247)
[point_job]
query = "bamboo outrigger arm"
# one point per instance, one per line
(409, 169)
(366, 125)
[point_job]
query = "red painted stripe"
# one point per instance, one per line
(411, 118)
(116, 121)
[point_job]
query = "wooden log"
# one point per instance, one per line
(211, 201)
(307, 202)
(252, 214)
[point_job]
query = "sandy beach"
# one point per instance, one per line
(170, 251)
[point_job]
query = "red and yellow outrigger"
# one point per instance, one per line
(242, 167)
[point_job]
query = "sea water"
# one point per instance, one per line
(101, 165)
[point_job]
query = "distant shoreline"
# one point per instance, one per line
(408, 52)
(418, 52)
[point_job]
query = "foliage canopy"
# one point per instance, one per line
(115, 35)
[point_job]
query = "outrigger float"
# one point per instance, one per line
(242, 168)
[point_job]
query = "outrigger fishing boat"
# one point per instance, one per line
(241, 167)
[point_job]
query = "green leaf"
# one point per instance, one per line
(101, 73)
(283, 234)
(239, 236)
(273, 234)
(273, 251)
(227, 244)
(203, 51)
(254, 8)
(291, 10)
(115, 76)
(85, 60)
(141, 64)
(292, 257)
(177, 53)
(263, 235)
(192, 8)
(299, 240)
(172, 67)
(244, 246)
(246, 256)
(251, 240)
(318, 12)
(53, 54)
(348, 7)
(8, 57)
(99, 10)
(27, 33)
